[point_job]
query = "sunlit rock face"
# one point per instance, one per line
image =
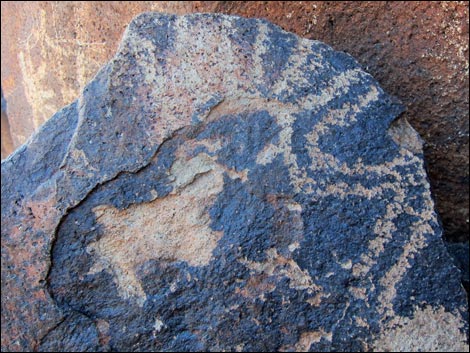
(223, 185)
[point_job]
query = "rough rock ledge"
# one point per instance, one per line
(224, 185)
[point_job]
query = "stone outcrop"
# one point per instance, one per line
(417, 51)
(224, 185)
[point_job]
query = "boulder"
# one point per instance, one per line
(417, 51)
(222, 184)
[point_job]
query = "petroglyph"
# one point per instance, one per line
(174, 228)
(425, 331)
(230, 186)
(281, 266)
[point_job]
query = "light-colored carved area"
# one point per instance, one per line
(45, 42)
(278, 265)
(173, 228)
(427, 331)
(307, 339)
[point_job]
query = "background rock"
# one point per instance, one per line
(461, 255)
(224, 185)
(7, 143)
(418, 52)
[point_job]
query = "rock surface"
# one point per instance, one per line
(6, 142)
(417, 51)
(460, 252)
(224, 185)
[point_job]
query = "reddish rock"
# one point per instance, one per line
(7, 143)
(418, 51)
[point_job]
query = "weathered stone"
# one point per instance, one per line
(460, 253)
(77, 37)
(6, 142)
(224, 185)
(417, 51)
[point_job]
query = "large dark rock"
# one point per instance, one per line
(224, 185)
(417, 51)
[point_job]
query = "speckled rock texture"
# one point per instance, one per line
(224, 185)
(418, 51)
